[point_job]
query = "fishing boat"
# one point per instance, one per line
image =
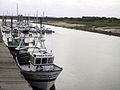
(12, 35)
(49, 31)
(40, 72)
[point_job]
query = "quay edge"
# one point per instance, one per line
(10, 77)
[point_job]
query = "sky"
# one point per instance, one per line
(61, 8)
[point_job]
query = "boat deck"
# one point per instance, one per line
(45, 68)
(10, 77)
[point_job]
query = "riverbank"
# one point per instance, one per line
(109, 28)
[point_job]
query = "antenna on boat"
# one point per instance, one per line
(43, 20)
(17, 9)
(28, 18)
(36, 17)
(41, 23)
(3, 19)
(43, 15)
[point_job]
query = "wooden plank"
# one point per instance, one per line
(10, 76)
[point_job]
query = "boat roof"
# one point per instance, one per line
(40, 52)
(39, 55)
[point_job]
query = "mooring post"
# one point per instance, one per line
(5, 20)
(11, 23)
(41, 22)
(27, 20)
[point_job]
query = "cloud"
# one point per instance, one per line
(62, 7)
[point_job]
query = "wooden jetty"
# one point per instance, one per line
(10, 76)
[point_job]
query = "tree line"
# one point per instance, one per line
(91, 21)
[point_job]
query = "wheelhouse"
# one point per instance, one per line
(41, 59)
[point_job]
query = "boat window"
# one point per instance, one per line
(44, 60)
(17, 40)
(38, 60)
(50, 60)
(24, 55)
(32, 59)
(13, 40)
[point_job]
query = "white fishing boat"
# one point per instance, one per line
(49, 30)
(40, 72)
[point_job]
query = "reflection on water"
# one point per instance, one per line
(52, 88)
(90, 61)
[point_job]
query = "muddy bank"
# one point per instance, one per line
(115, 31)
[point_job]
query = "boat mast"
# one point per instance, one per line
(41, 33)
(40, 38)
(17, 9)
(37, 18)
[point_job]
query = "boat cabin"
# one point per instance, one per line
(37, 59)
(14, 42)
(41, 60)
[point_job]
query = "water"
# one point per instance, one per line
(90, 61)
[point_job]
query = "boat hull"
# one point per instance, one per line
(42, 80)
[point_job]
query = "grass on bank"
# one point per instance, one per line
(90, 23)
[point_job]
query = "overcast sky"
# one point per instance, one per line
(71, 8)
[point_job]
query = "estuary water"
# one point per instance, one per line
(90, 61)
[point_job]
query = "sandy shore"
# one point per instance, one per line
(115, 31)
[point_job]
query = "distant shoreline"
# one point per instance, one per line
(114, 31)
(103, 25)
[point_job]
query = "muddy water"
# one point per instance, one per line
(90, 61)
